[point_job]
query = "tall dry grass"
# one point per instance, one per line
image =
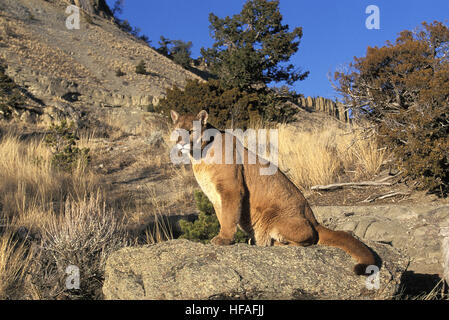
(15, 261)
(28, 181)
(324, 155)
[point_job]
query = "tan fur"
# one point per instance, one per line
(270, 208)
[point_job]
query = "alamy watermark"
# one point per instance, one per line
(373, 20)
(372, 282)
(72, 282)
(73, 20)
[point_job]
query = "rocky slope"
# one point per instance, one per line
(415, 229)
(52, 63)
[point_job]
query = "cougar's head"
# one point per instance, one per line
(189, 128)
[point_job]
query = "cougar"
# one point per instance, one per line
(269, 208)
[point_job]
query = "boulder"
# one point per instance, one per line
(180, 269)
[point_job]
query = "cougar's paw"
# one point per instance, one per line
(219, 241)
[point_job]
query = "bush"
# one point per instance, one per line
(88, 18)
(83, 236)
(227, 108)
(403, 88)
(119, 73)
(177, 50)
(62, 139)
(207, 225)
(141, 68)
(150, 108)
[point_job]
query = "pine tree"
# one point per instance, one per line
(253, 47)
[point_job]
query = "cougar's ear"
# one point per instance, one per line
(202, 116)
(174, 116)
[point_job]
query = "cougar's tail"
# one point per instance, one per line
(348, 243)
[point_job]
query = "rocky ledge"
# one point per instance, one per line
(180, 269)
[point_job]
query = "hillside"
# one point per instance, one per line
(50, 61)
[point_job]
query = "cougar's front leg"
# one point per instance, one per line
(228, 216)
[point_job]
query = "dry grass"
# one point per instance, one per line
(149, 219)
(159, 227)
(116, 124)
(15, 261)
(438, 292)
(184, 182)
(28, 181)
(324, 155)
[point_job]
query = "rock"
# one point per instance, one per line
(27, 117)
(155, 140)
(349, 226)
(180, 269)
(387, 231)
(58, 111)
(413, 229)
(440, 213)
(328, 106)
(444, 232)
(363, 226)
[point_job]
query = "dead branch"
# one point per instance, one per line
(336, 186)
(387, 195)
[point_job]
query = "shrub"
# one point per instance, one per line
(403, 88)
(88, 18)
(177, 50)
(32, 197)
(141, 68)
(145, 39)
(62, 139)
(150, 108)
(83, 236)
(207, 225)
(227, 108)
(119, 73)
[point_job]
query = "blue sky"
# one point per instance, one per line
(334, 31)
